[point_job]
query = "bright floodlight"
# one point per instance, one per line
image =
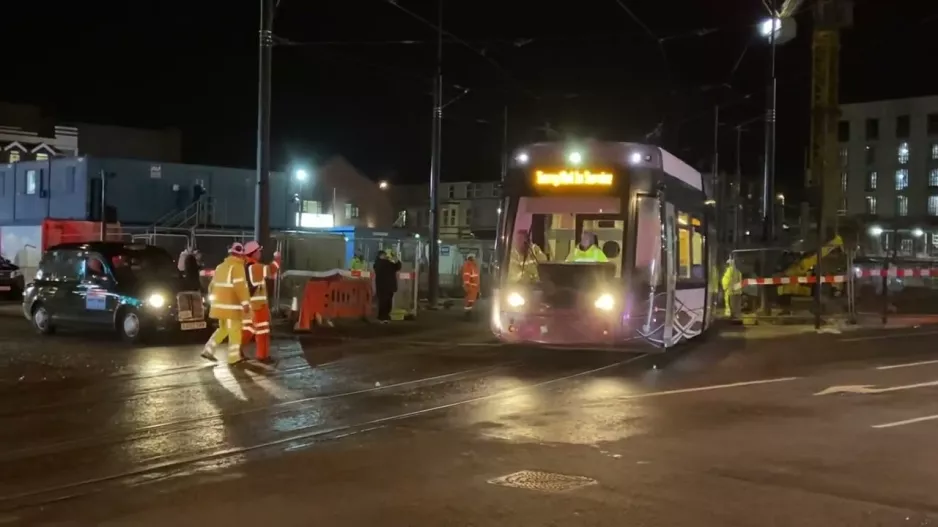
(918, 233)
(301, 175)
(383, 185)
(522, 158)
(767, 26)
(575, 157)
(876, 230)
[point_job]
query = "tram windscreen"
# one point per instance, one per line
(579, 276)
(564, 232)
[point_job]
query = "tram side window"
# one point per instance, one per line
(690, 241)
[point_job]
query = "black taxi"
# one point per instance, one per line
(133, 289)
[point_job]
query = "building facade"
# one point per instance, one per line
(161, 194)
(468, 210)
(26, 134)
(889, 178)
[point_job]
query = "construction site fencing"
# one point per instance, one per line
(778, 285)
(404, 304)
(886, 287)
(332, 296)
(452, 257)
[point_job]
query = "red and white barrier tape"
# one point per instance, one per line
(404, 275)
(901, 273)
(784, 280)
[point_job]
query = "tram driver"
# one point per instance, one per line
(525, 255)
(588, 250)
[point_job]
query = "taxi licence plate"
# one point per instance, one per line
(188, 326)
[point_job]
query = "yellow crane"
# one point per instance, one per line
(825, 173)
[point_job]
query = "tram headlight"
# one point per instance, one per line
(515, 300)
(605, 302)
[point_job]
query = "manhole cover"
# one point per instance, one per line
(542, 481)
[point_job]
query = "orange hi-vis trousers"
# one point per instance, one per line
(258, 329)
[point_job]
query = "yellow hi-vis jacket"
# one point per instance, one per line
(229, 289)
(731, 278)
(592, 254)
(258, 273)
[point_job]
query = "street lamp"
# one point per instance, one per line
(777, 30)
(383, 185)
(300, 175)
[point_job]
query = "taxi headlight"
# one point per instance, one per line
(605, 302)
(515, 300)
(156, 300)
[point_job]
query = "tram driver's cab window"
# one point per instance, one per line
(690, 245)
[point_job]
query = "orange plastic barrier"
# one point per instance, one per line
(334, 297)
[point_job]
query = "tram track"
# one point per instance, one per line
(102, 391)
(157, 469)
(170, 427)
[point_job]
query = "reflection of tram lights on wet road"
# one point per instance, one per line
(648, 213)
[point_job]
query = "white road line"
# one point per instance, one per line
(907, 422)
(890, 336)
(907, 365)
(708, 388)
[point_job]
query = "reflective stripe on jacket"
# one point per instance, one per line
(229, 289)
(258, 273)
(592, 254)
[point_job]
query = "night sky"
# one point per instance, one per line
(354, 76)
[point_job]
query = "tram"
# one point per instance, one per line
(649, 214)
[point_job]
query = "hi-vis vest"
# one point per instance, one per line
(593, 254)
(258, 273)
(229, 289)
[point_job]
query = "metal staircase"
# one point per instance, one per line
(199, 214)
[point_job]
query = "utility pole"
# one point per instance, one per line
(768, 172)
(103, 205)
(737, 201)
(262, 190)
(435, 153)
(504, 144)
(719, 192)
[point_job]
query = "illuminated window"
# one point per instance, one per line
(902, 179)
(843, 182)
(843, 156)
(32, 181)
(902, 153)
(14, 156)
(42, 156)
(933, 177)
(312, 207)
(902, 205)
(871, 204)
(351, 211)
(690, 243)
(871, 177)
(934, 151)
(933, 205)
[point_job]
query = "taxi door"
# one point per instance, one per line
(96, 292)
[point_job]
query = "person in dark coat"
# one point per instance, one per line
(386, 268)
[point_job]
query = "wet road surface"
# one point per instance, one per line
(410, 430)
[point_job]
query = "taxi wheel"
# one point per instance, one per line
(130, 326)
(42, 321)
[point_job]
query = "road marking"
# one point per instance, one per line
(907, 365)
(709, 388)
(907, 422)
(868, 388)
(890, 336)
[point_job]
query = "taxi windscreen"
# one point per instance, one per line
(145, 262)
